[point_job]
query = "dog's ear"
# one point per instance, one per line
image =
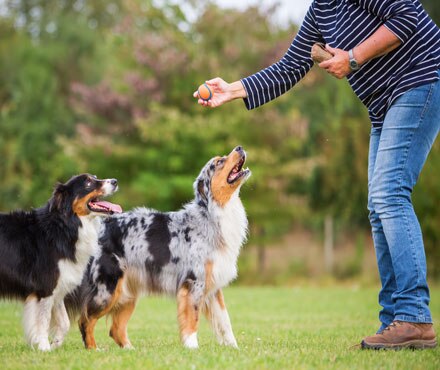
(201, 198)
(56, 203)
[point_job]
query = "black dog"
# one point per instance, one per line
(44, 253)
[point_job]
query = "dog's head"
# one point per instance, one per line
(221, 178)
(81, 196)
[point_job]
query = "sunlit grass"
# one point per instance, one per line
(276, 328)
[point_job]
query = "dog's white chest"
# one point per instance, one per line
(233, 228)
(71, 273)
(224, 268)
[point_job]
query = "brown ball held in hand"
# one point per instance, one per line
(205, 93)
(319, 53)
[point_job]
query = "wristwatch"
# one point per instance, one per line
(354, 65)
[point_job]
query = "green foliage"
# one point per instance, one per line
(433, 9)
(339, 185)
(426, 201)
(106, 87)
(50, 46)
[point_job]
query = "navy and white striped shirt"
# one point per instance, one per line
(344, 24)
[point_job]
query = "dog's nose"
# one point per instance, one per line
(239, 149)
(114, 182)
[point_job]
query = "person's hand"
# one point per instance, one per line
(222, 93)
(339, 65)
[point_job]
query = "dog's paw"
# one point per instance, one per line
(190, 341)
(44, 346)
(230, 342)
(56, 344)
(128, 346)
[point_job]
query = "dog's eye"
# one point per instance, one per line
(88, 183)
(220, 162)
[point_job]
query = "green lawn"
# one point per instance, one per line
(276, 328)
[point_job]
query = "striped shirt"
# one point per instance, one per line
(344, 24)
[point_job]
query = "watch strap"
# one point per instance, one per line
(354, 65)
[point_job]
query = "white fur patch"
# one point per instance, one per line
(233, 226)
(36, 321)
(60, 324)
(190, 341)
(221, 323)
(71, 273)
(108, 187)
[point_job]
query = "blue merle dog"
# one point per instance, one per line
(190, 254)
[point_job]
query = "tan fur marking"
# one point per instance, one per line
(30, 297)
(134, 284)
(80, 204)
(120, 317)
(220, 299)
(207, 309)
(187, 313)
(87, 323)
(89, 328)
(209, 279)
(220, 188)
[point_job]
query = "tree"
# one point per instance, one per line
(433, 9)
(106, 87)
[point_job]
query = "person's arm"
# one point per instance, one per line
(275, 80)
(399, 24)
(399, 16)
(379, 43)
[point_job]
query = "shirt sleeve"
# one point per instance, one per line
(399, 16)
(281, 76)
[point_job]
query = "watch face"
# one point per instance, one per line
(353, 64)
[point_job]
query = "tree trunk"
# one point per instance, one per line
(328, 244)
(261, 258)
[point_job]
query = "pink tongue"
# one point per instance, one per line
(116, 208)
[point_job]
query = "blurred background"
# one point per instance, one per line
(106, 87)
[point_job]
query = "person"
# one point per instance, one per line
(389, 50)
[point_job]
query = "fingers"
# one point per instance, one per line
(205, 103)
(337, 66)
(330, 49)
(325, 64)
(214, 81)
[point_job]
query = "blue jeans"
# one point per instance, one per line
(398, 151)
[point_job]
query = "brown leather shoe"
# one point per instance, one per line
(402, 334)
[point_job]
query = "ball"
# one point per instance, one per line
(205, 93)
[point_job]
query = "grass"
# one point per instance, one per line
(276, 328)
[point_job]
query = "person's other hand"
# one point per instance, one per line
(339, 65)
(221, 93)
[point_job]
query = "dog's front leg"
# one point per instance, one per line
(217, 315)
(36, 321)
(188, 307)
(60, 324)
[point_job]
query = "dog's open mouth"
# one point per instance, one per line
(237, 172)
(101, 206)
